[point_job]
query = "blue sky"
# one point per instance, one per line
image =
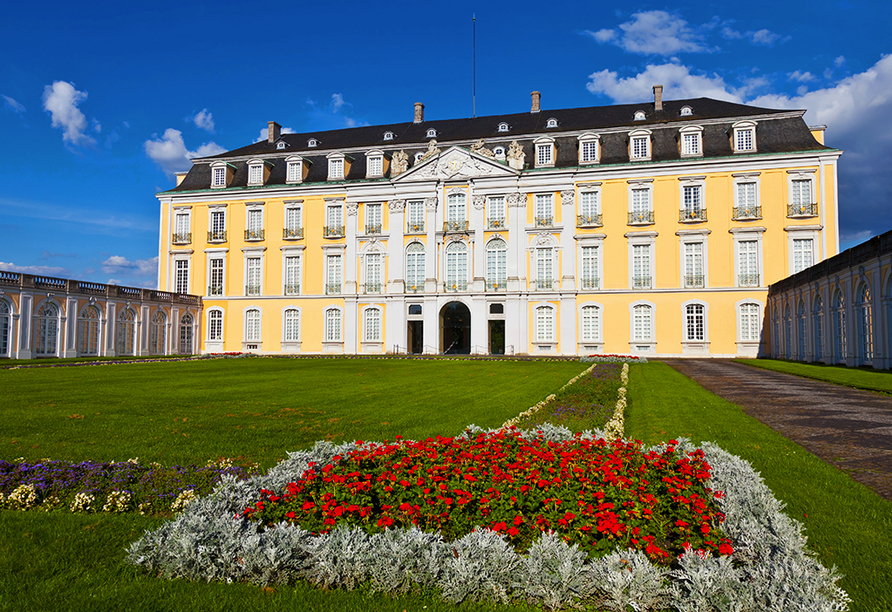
(101, 102)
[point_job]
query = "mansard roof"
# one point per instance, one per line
(785, 132)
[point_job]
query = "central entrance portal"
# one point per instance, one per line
(455, 323)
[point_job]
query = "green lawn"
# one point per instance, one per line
(847, 524)
(858, 378)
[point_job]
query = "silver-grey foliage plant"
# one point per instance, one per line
(771, 568)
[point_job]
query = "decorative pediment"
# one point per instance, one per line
(455, 163)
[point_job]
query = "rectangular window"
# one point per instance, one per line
(255, 174)
(218, 226)
(803, 254)
(335, 168)
(544, 155)
(414, 216)
(215, 325)
(744, 140)
(373, 215)
(544, 268)
(376, 166)
(293, 222)
(252, 276)
(333, 325)
(693, 202)
(589, 209)
(219, 179)
(415, 268)
(373, 325)
(544, 324)
(693, 265)
(748, 263)
(800, 192)
(495, 213)
(590, 151)
(591, 324)
(456, 268)
(590, 275)
(544, 210)
(640, 147)
(690, 143)
(295, 171)
(254, 229)
(333, 274)
(373, 273)
(695, 323)
(292, 325)
(640, 209)
(642, 323)
(181, 231)
(641, 276)
(252, 326)
(215, 284)
(292, 275)
(496, 260)
(182, 276)
(334, 221)
(749, 322)
(745, 206)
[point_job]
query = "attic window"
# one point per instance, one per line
(551, 123)
(255, 173)
(220, 175)
(312, 142)
(388, 135)
(503, 127)
(499, 152)
(640, 116)
(431, 133)
(418, 156)
(686, 111)
(280, 145)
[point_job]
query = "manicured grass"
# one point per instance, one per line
(256, 409)
(847, 524)
(858, 378)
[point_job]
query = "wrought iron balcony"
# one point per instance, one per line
(694, 281)
(644, 217)
(182, 238)
(459, 285)
(293, 232)
(217, 236)
(692, 215)
(330, 231)
(802, 210)
(215, 290)
(415, 227)
(641, 282)
(590, 283)
(589, 220)
(544, 284)
(748, 280)
(544, 221)
(252, 289)
(415, 288)
(497, 285)
(455, 226)
(740, 213)
(332, 288)
(292, 288)
(372, 228)
(254, 234)
(494, 223)
(373, 287)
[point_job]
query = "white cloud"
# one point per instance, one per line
(170, 152)
(204, 120)
(12, 105)
(839, 61)
(60, 100)
(39, 270)
(758, 37)
(653, 33)
(764, 37)
(264, 133)
(337, 101)
(119, 265)
(802, 77)
(678, 82)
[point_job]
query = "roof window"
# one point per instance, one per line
(503, 127)
(640, 115)
(312, 142)
(551, 123)
(388, 135)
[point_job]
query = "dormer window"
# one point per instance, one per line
(744, 137)
(295, 170)
(499, 152)
(544, 152)
(221, 174)
(431, 133)
(503, 127)
(336, 167)
(686, 111)
(374, 164)
(312, 142)
(551, 123)
(418, 156)
(388, 135)
(691, 141)
(255, 172)
(589, 148)
(280, 145)
(640, 115)
(639, 145)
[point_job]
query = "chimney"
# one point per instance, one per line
(536, 96)
(275, 130)
(419, 112)
(658, 97)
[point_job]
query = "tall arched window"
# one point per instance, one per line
(496, 254)
(456, 212)
(372, 325)
(252, 325)
(788, 332)
(695, 323)
(187, 329)
(415, 268)
(46, 328)
(292, 325)
(333, 325)
(591, 323)
(125, 332)
(801, 333)
(88, 331)
(817, 319)
(457, 266)
(839, 327)
(158, 333)
(642, 323)
(748, 322)
(5, 328)
(544, 324)
(215, 325)
(865, 324)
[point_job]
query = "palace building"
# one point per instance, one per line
(650, 228)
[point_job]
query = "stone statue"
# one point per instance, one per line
(431, 150)
(515, 155)
(478, 147)
(399, 163)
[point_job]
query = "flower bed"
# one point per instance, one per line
(92, 486)
(612, 358)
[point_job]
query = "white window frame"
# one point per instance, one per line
(647, 341)
(337, 166)
(182, 225)
(692, 238)
(176, 282)
(368, 314)
(211, 257)
(290, 230)
(636, 137)
(255, 172)
(496, 212)
(7, 335)
(288, 288)
(415, 284)
(595, 334)
(294, 170)
(374, 218)
(740, 143)
(740, 207)
(249, 256)
(496, 264)
(210, 336)
(456, 256)
(644, 239)
(795, 234)
(373, 270)
(690, 141)
(222, 211)
(289, 342)
(431, 133)
(333, 315)
(415, 217)
(589, 206)
(247, 338)
(334, 211)
(551, 123)
(797, 207)
(545, 331)
(589, 148)
(686, 319)
(254, 211)
(748, 234)
(743, 338)
(312, 143)
(218, 180)
(503, 127)
(544, 152)
(330, 278)
(388, 135)
(696, 186)
(590, 283)
(543, 210)
(641, 215)
(374, 158)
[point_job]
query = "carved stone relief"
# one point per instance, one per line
(396, 205)
(478, 148)
(431, 150)
(399, 163)
(567, 197)
(515, 155)
(352, 209)
(430, 204)
(516, 200)
(479, 202)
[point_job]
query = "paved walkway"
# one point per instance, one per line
(848, 428)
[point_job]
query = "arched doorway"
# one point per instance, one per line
(455, 323)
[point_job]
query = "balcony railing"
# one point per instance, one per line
(252, 289)
(454, 286)
(217, 236)
(641, 282)
(293, 232)
(333, 231)
(415, 227)
(415, 288)
(544, 221)
(589, 283)
(215, 290)
(182, 238)
(693, 281)
(544, 284)
(498, 285)
(332, 288)
(455, 226)
(372, 228)
(802, 210)
(748, 280)
(695, 215)
(739, 213)
(373, 287)
(499, 223)
(589, 220)
(644, 217)
(292, 288)
(254, 234)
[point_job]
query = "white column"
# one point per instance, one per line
(431, 331)
(25, 327)
(70, 333)
(515, 264)
(395, 325)
(568, 250)
(111, 317)
(430, 259)
(396, 247)
(479, 325)
(568, 325)
(350, 276)
(142, 338)
(478, 223)
(351, 324)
